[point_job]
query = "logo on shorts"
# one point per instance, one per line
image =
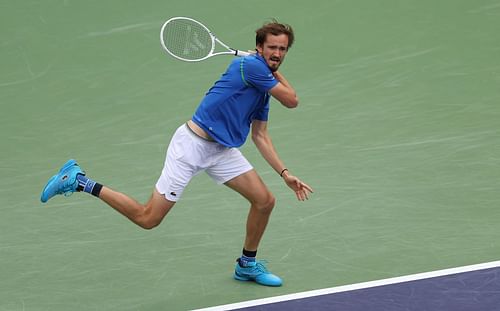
(173, 194)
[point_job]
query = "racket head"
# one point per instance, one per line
(187, 39)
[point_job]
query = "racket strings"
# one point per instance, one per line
(187, 39)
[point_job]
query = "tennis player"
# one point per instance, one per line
(236, 103)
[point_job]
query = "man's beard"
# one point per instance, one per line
(276, 65)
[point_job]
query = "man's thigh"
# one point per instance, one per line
(250, 186)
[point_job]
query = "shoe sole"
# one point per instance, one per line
(67, 165)
(246, 279)
(242, 278)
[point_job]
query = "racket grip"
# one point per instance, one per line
(241, 53)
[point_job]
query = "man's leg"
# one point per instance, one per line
(71, 178)
(251, 186)
(147, 215)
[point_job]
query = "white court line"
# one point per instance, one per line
(345, 288)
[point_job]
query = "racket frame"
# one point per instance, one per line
(230, 51)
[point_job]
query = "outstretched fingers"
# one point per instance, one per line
(303, 191)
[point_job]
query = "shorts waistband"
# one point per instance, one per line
(195, 134)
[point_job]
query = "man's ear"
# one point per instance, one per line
(258, 48)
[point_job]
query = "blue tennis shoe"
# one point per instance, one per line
(256, 271)
(64, 182)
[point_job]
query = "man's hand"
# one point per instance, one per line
(301, 189)
(284, 92)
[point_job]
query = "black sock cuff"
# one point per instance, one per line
(96, 190)
(250, 253)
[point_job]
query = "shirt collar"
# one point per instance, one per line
(259, 57)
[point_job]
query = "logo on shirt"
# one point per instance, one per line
(173, 194)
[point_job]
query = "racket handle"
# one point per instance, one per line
(241, 53)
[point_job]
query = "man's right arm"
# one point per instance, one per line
(284, 92)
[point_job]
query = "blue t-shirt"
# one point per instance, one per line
(235, 100)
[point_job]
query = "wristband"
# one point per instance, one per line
(281, 174)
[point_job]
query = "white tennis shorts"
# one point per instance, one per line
(188, 155)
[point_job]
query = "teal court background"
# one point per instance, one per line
(397, 131)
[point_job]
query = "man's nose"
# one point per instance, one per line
(278, 53)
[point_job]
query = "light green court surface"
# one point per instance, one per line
(398, 132)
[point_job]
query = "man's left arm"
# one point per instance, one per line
(264, 144)
(284, 92)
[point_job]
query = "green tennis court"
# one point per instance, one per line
(397, 131)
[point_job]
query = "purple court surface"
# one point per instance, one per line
(469, 288)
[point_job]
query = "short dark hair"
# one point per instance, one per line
(275, 28)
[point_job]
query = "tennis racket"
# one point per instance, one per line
(189, 40)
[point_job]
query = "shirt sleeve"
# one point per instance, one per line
(263, 114)
(257, 74)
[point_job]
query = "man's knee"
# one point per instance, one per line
(154, 211)
(266, 204)
(148, 225)
(149, 220)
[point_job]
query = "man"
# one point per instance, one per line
(209, 141)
